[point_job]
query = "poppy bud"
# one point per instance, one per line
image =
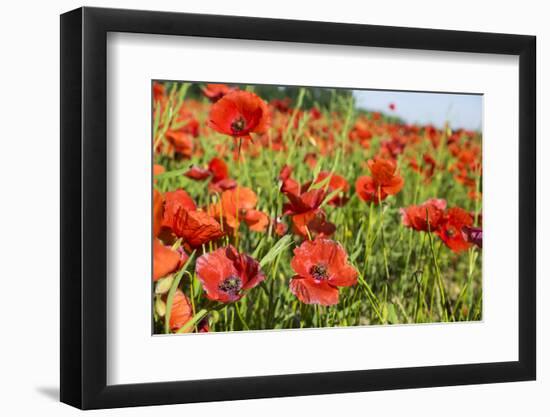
(164, 284)
(160, 307)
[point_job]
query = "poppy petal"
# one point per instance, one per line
(165, 260)
(310, 292)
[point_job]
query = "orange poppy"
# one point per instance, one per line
(383, 182)
(195, 227)
(165, 260)
(157, 169)
(181, 141)
(182, 312)
(239, 204)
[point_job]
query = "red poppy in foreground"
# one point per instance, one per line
(321, 267)
(383, 182)
(239, 114)
(425, 217)
(226, 274)
(450, 230)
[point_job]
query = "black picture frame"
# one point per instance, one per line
(84, 207)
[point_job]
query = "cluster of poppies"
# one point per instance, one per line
(202, 239)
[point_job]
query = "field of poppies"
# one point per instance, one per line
(280, 208)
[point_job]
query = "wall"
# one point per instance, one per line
(30, 176)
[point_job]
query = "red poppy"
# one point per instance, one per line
(383, 182)
(158, 91)
(306, 214)
(182, 312)
(282, 105)
(393, 147)
(362, 133)
(174, 201)
(321, 267)
(218, 169)
(165, 260)
(158, 211)
(157, 169)
(216, 91)
(425, 217)
(304, 202)
(310, 159)
(181, 141)
(450, 230)
(314, 222)
(197, 173)
(288, 184)
(226, 274)
(336, 182)
(391, 106)
(195, 227)
(279, 227)
(239, 114)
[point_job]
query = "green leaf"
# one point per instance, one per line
(277, 248)
(196, 318)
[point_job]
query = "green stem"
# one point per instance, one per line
(191, 323)
(172, 291)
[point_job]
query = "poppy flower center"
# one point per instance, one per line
(238, 125)
(231, 285)
(319, 272)
(450, 232)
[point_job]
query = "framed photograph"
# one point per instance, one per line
(257, 208)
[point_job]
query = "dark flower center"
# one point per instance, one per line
(231, 285)
(319, 272)
(450, 232)
(238, 125)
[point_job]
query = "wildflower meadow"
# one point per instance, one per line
(294, 207)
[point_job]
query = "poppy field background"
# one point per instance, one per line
(287, 207)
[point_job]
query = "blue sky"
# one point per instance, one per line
(460, 110)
